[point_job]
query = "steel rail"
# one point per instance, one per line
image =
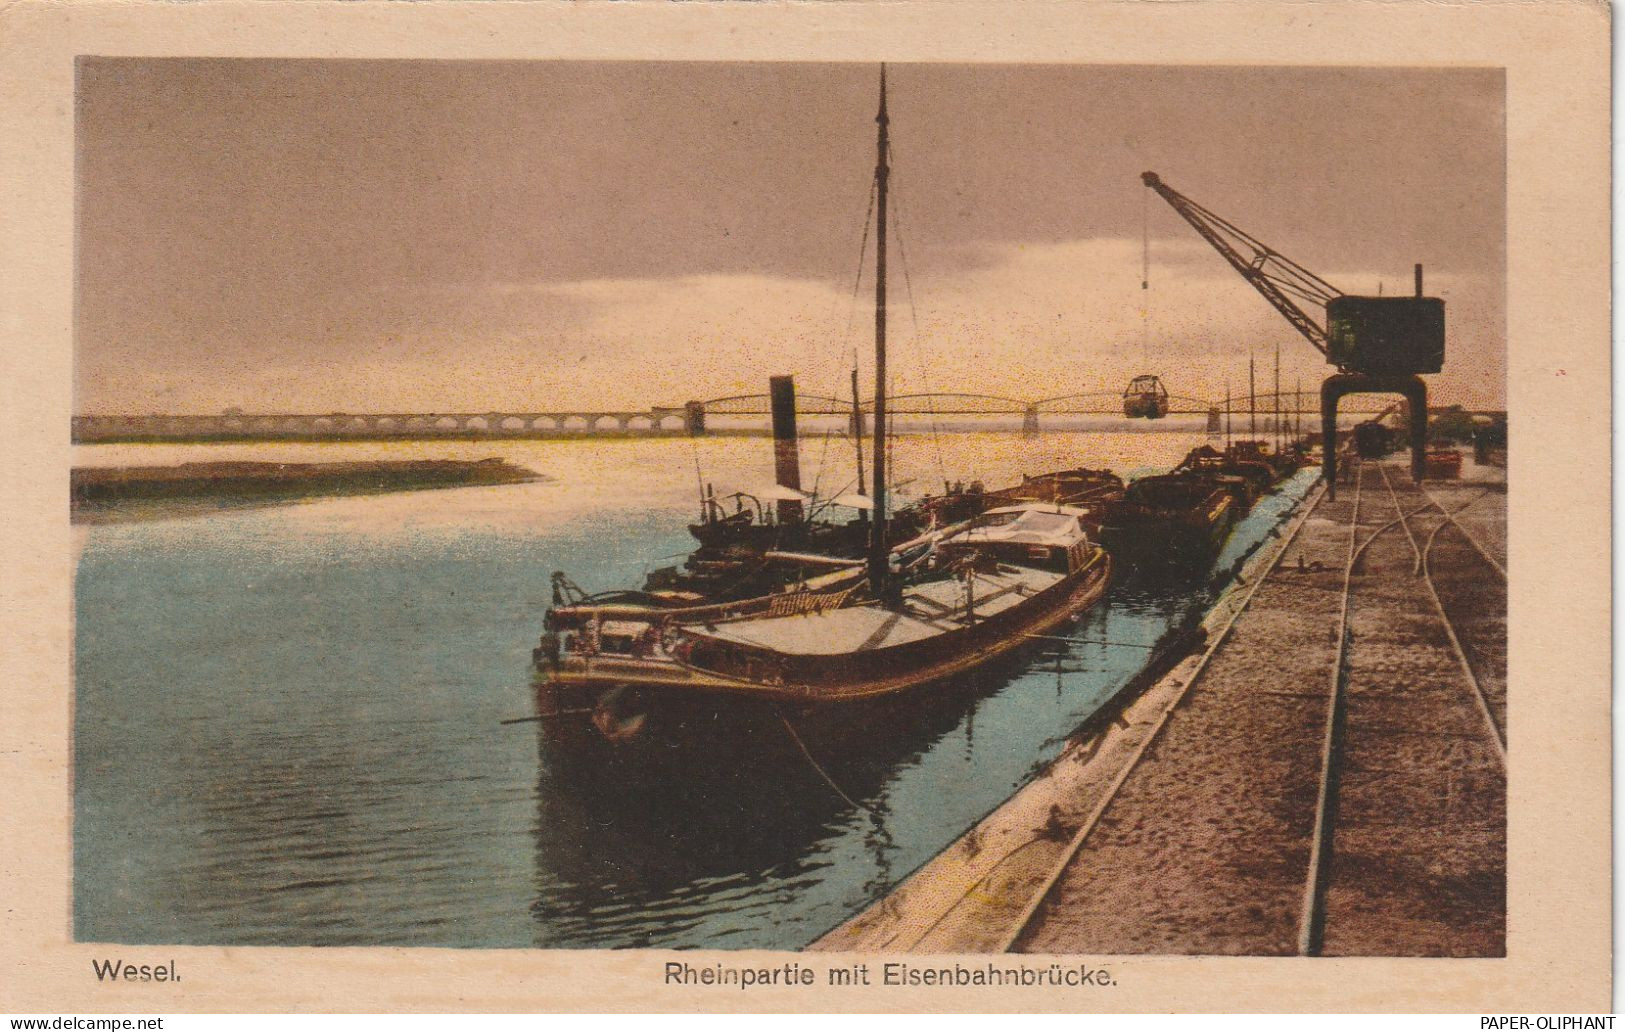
(1313, 919)
(1496, 734)
(1311, 923)
(1416, 550)
(1424, 570)
(1035, 904)
(1471, 539)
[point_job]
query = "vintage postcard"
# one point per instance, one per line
(844, 507)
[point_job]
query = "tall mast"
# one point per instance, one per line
(1252, 402)
(878, 552)
(1277, 399)
(857, 432)
(1297, 410)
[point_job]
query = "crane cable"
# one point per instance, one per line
(1145, 278)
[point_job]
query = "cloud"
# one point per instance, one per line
(1023, 321)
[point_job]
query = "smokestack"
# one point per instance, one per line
(786, 461)
(1418, 279)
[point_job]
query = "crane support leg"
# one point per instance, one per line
(1415, 393)
(1416, 410)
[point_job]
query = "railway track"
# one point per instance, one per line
(1403, 848)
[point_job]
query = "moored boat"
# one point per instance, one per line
(1245, 479)
(741, 554)
(1169, 521)
(981, 592)
(900, 620)
(1280, 463)
(1084, 488)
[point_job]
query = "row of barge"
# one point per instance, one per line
(794, 619)
(782, 620)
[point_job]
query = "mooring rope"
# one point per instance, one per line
(1093, 641)
(815, 765)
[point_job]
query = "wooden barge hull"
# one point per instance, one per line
(1147, 538)
(575, 688)
(1167, 544)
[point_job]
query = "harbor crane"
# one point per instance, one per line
(1379, 345)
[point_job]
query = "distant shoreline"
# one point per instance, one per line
(132, 493)
(483, 436)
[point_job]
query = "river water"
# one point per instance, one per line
(288, 720)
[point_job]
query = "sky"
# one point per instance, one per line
(359, 236)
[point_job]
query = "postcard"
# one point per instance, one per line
(968, 507)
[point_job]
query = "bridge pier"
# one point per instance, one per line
(1029, 420)
(1215, 420)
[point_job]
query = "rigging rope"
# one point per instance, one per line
(852, 300)
(823, 455)
(851, 309)
(699, 474)
(857, 281)
(919, 346)
(857, 285)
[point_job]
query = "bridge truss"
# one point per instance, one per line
(948, 403)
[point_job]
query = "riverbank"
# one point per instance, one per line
(119, 494)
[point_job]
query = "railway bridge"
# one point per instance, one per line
(257, 426)
(688, 418)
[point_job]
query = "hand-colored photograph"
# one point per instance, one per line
(888, 507)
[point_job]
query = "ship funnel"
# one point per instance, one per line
(786, 460)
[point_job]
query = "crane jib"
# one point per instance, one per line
(1373, 335)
